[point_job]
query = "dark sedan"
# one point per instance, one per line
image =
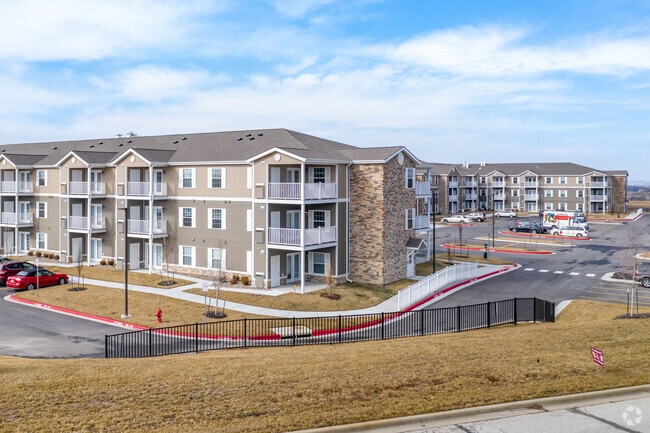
(528, 227)
(30, 279)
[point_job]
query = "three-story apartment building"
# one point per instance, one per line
(279, 206)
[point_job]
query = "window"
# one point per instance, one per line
(548, 180)
(41, 241)
(318, 219)
(580, 193)
(410, 178)
(41, 177)
(581, 180)
(319, 175)
(515, 180)
(410, 216)
(41, 209)
(515, 193)
(548, 193)
(217, 178)
(186, 255)
(319, 263)
(187, 216)
(216, 258)
(187, 178)
(548, 206)
(562, 206)
(483, 180)
(217, 218)
(563, 193)
(562, 180)
(515, 205)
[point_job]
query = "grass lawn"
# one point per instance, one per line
(285, 389)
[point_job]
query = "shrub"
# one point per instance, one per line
(111, 262)
(103, 262)
(234, 279)
(245, 280)
(39, 254)
(30, 253)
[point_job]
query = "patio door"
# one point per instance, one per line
(293, 267)
(95, 250)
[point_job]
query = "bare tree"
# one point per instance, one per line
(629, 264)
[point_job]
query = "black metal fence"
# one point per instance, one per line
(324, 330)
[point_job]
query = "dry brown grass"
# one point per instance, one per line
(284, 389)
(106, 273)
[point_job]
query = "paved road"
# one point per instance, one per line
(34, 333)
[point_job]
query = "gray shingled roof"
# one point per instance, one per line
(24, 160)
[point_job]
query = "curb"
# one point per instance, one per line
(73, 313)
(500, 250)
(484, 413)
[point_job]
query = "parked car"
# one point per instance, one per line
(572, 231)
(477, 216)
(505, 213)
(457, 219)
(7, 269)
(29, 279)
(643, 277)
(528, 227)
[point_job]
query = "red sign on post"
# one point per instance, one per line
(598, 356)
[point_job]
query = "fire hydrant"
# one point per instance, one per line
(159, 315)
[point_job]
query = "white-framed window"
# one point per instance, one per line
(216, 258)
(187, 178)
(41, 177)
(319, 218)
(514, 205)
(319, 174)
(186, 217)
(562, 180)
(41, 209)
(580, 193)
(580, 207)
(409, 182)
(186, 255)
(563, 193)
(409, 218)
(216, 218)
(580, 180)
(515, 180)
(41, 241)
(217, 177)
(548, 206)
(515, 193)
(483, 180)
(548, 193)
(548, 180)
(319, 263)
(562, 206)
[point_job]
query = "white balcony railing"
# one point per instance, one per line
(142, 227)
(452, 197)
(81, 223)
(599, 184)
(292, 237)
(423, 189)
(293, 191)
(11, 185)
(497, 184)
(531, 184)
(597, 198)
(422, 222)
(531, 197)
(81, 188)
(141, 189)
(16, 218)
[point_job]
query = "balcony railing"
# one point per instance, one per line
(16, 218)
(497, 183)
(531, 184)
(599, 185)
(598, 198)
(469, 184)
(452, 197)
(142, 227)
(422, 222)
(423, 189)
(292, 237)
(81, 188)
(9, 186)
(141, 189)
(82, 223)
(531, 197)
(293, 191)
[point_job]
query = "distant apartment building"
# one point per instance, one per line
(276, 205)
(532, 187)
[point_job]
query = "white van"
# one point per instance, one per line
(572, 231)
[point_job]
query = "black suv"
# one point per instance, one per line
(642, 276)
(7, 269)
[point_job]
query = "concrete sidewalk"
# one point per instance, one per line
(390, 305)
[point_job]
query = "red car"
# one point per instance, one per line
(7, 269)
(31, 278)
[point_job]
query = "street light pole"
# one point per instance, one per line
(126, 262)
(433, 244)
(493, 220)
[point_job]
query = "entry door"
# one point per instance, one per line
(293, 267)
(24, 212)
(8, 242)
(157, 255)
(77, 250)
(275, 271)
(293, 175)
(157, 181)
(293, 219)
(96, 216)
(134, 256)
(95, 249)
(24, 244)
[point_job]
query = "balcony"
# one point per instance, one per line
(144, 227)
(292, 237)
(452, 197)
(96, 224)
(13, 218)
(531, 197)
(81, 188)
(422, 222)
(453, 184)
(531, 184)
(422, 189)
(599, 185)
(470, 196)
(469, 184)
(497, 184)
(11, 187)
(598, 198)
(500, 196)
(293, 191)
(146, 189)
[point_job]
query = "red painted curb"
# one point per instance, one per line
(114, 322)
(498, 250)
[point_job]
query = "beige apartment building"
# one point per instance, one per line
(532, 187)
(276, 205)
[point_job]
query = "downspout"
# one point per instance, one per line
(347, 249)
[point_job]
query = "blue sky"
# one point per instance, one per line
(454, 81)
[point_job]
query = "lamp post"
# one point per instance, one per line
(493, 220)
(433, 243)
(126, 262)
